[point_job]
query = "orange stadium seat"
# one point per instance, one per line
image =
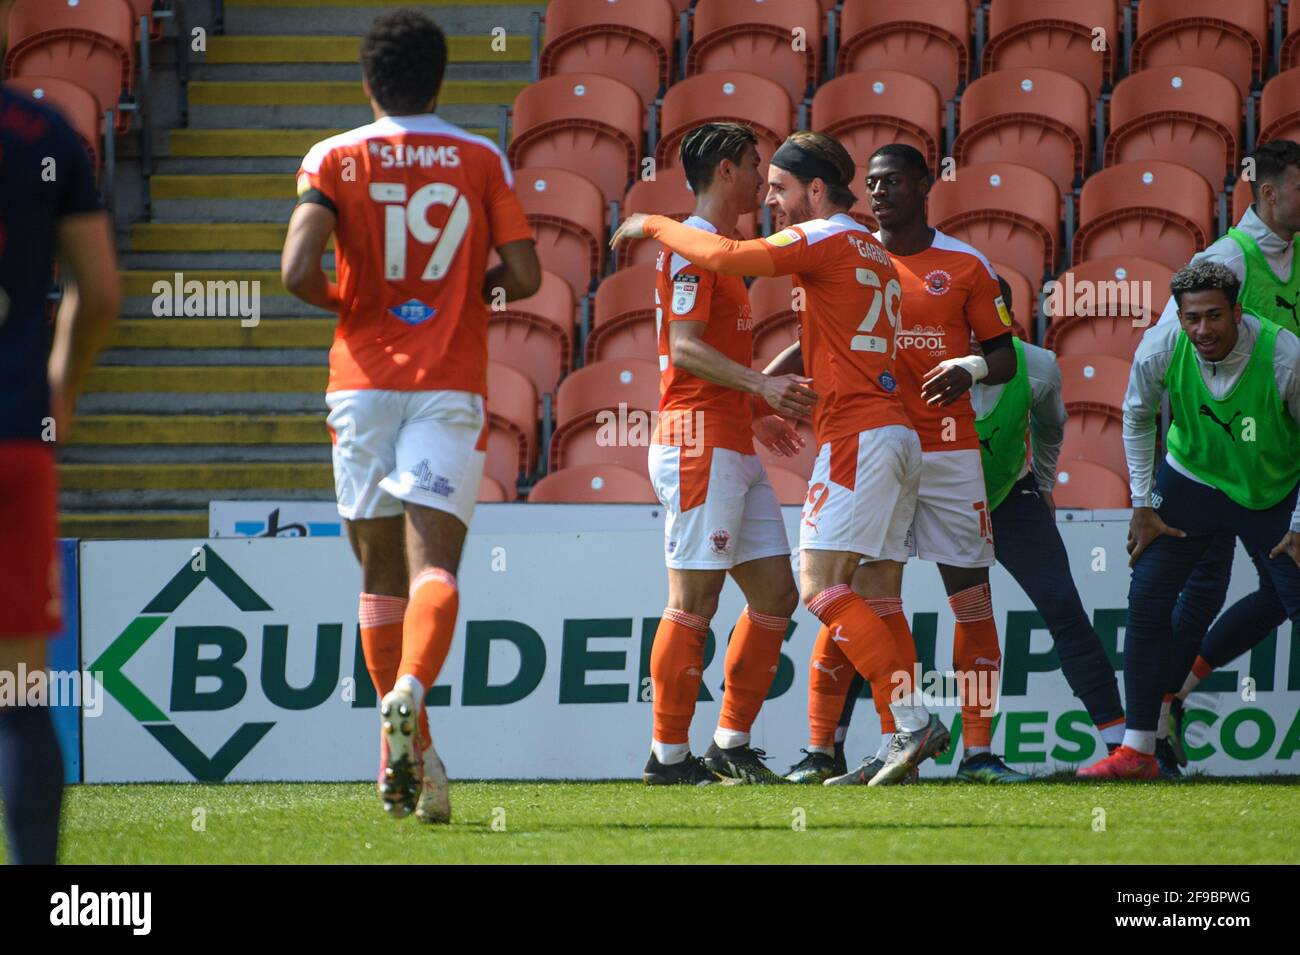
(1055, 35)
(1088, 313)
(1290, 50)
(1036, 117)
(790, 488)
(512, 427)
(1279, 108)
(535, 335)
(1024, 299)
(930, 40)
(490, 491)
(629, 387)
(87, 44)
(1094, 379)
(754, 36)
(78, 107)
(1095, 433)
(582, 122)
(1004, 206)
(666, 195)
(866, 110)
(743, 97)
(1242, 198)
(623, 323)
(567, 214)
(629, 39)
(1086, 485)
(1228, 38)
(594, 484)
(1185, 114)
(776, 324)
(801, 464)
(1159, 210)
(861, 209)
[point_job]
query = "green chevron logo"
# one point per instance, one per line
(109, 668)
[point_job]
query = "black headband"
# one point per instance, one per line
(806, 165)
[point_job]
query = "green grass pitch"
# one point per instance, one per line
(1193, 821)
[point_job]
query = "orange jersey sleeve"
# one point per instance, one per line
(711, 251)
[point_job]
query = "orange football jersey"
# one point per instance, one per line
(690, 408)
(419, 204)
(949, 292)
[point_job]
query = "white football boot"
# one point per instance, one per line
(435, 801)
(401, 768)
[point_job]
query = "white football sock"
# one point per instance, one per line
(1112, 735)
(411, 685)
(729, 739)
(909, 719)
(669, 753)
(885, 740)
(1144, 741)
(1162, 726)
(824, 750)
(977, 750)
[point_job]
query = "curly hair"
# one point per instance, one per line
(403, 58)
(1203, 276)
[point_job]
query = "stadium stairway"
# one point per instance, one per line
(184, 410)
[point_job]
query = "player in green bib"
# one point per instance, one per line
(1232, 465)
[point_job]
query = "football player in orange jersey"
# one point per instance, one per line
(721, 513)
(950, 294)
(415, 205)
(864, 483)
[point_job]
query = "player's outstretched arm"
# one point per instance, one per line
(705, 249)
(519, 274)
(788, 395)
(310, 227)
(88, 310)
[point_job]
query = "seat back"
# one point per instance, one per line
(535, 335)
(491, 491)
(623, 324)
(1002, 206)
(1027, 115)
(776, 324)
(1159, 210)
(89, 44)
(1083, 484)
(1229, 38)
(930, 40)
(567, 214)
(75, 104)
(1094, 379)
(594, 484)
(1290, 49)
(1055, 35)
(1279, 108)
(512, 425)
(726, 95)
(869, 109)
(754, 36)
(629, 39)
(627, 391)
(1103, 306)
(1094, 433)
(583, 122)
(666, 195)
(1183, 114)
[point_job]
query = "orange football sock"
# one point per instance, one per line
(861, 635)
(676, 668)
(752, 658)
(428, 625)
(977, 659)
(381, 638)
(890, 610)
(829, 675)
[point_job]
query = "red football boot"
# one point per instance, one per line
(1124, 763)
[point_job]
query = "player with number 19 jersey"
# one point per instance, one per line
(419, 204)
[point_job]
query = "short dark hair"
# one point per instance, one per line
(1202, 277)
(1271, 160)
(704, 147)
(909, 156)
(403, 58)
(832, 152)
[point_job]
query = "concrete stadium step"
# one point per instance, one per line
(216, 237)
(259, 143)
(161, 357)
(194, 454)
(218, 187)
(132, 430)
(224, 104)
(203, 334)
(243, 476)
(208, 379)
(139, 296)
(182, 499)
(134, 525)
(187, 262)
(201, 402)
(353, 17)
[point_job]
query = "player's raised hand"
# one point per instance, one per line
(946, 382)
(778, 435)
(1289, 545)
(1145, 526)
(633, 227)
(789, 395)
